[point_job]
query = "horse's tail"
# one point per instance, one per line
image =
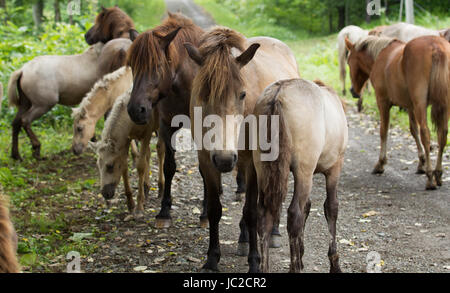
(439, 92)
(13, 84)
(8, 259)
(275, 174)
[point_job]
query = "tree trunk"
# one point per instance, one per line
(330, 21)
(341, 13)
(57, 11)
(38, 12)
(3, 5)
(386, 4)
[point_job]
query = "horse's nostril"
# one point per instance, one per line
(235, 158)
(142, 110)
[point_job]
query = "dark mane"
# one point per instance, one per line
(113, 20)
(219, 72)
(145, 54)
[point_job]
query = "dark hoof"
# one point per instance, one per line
(431, 186)
(335, 270)
(378, 171)
(163, 223)
(438, 177)
(275, 241)
(239, 196)
(210, 267)
(420, 171)
(242, 249)
(204, 223)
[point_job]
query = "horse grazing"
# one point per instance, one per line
(411, 76)
(49, 80)
(312, 138)
(353, 33)
(96, 104)
(111, 23)
(112, 153)
(228, 84)
(8, 241)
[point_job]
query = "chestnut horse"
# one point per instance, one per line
(228, 84)
(411, 76)
(8, 241)
(312, 136)
(111, 23)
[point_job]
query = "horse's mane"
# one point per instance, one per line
(110, 17)
(374, 45)
(113, 120)
(219, 72)
(8, 259)
(145, 55)
(102, 84)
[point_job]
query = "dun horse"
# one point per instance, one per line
(412, 76)
(49, 80)
(8, 241)
(312, 137)
(229, 83)
(112, 153)
(96, 104)
(111, 23)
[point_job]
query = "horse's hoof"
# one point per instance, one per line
(378, 171)
(204, 223)
(431, 186)
(138, 214)
(239, 196)
(163, 223)
(335, 270)
(438, 177)
(242, 249)
(210, 268)
(420, 171)
(275, 241)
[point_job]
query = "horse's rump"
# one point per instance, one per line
(8, 241)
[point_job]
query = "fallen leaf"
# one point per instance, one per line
(370, 214)
(140, 268)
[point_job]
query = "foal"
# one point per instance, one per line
(412, 76)
(8, 241)
(312, 138)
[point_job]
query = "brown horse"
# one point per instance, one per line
(411, 76)
(111, 23)
(312, 138)
(8, 241)
(47, 81)
(228, 84)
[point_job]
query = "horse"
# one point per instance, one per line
(162, 79)
(412, 76)
(445, 33)
(8, 241)
(228, 82)
(112, 152)
(111, 23)
(312, 138)
(406, 32)
(49, 80)
(377, 31)
(96, 104)
(354, 33)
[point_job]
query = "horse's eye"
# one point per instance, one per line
(242, 95)
(110, 168)
(79, 129)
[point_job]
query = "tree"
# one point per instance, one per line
(38, 12)
(57, 11)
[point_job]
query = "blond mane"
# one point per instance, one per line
(102, 84)
(374, 45)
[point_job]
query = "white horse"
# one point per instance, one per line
(406, 32)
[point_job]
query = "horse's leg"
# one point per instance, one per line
(128, 191)
(134, 152)
(360, 104)
(204, 215)
(213, 181)
(16, 127)
(415, 133)
(275, 238)
(35, 112)
(265, 226)
(296, 218)
(143, 171)
(331, 207)
(161, 151)
(243, 239)
(384, 108)
(163, 219)
(250, 216)
(240, 180)
(442, 140)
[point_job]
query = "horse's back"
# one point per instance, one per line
(406, 32)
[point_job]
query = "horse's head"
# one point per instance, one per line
(111, 23)
(358, 60)
(445, 34)
(219, 90)
(111, 163)
(153, 62)
(83, 130)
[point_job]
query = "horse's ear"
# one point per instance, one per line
(133, 34)
(104, 9)
(248, 55)
(349, 44)
(117, 5)
(194, 53)
(166, 40)
(170, 14)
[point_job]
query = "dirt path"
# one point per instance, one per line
(192, 10)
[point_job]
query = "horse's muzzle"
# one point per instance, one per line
(78, 149)
(354, 94)
(108, 191)
(224, 163)
(140, 114)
